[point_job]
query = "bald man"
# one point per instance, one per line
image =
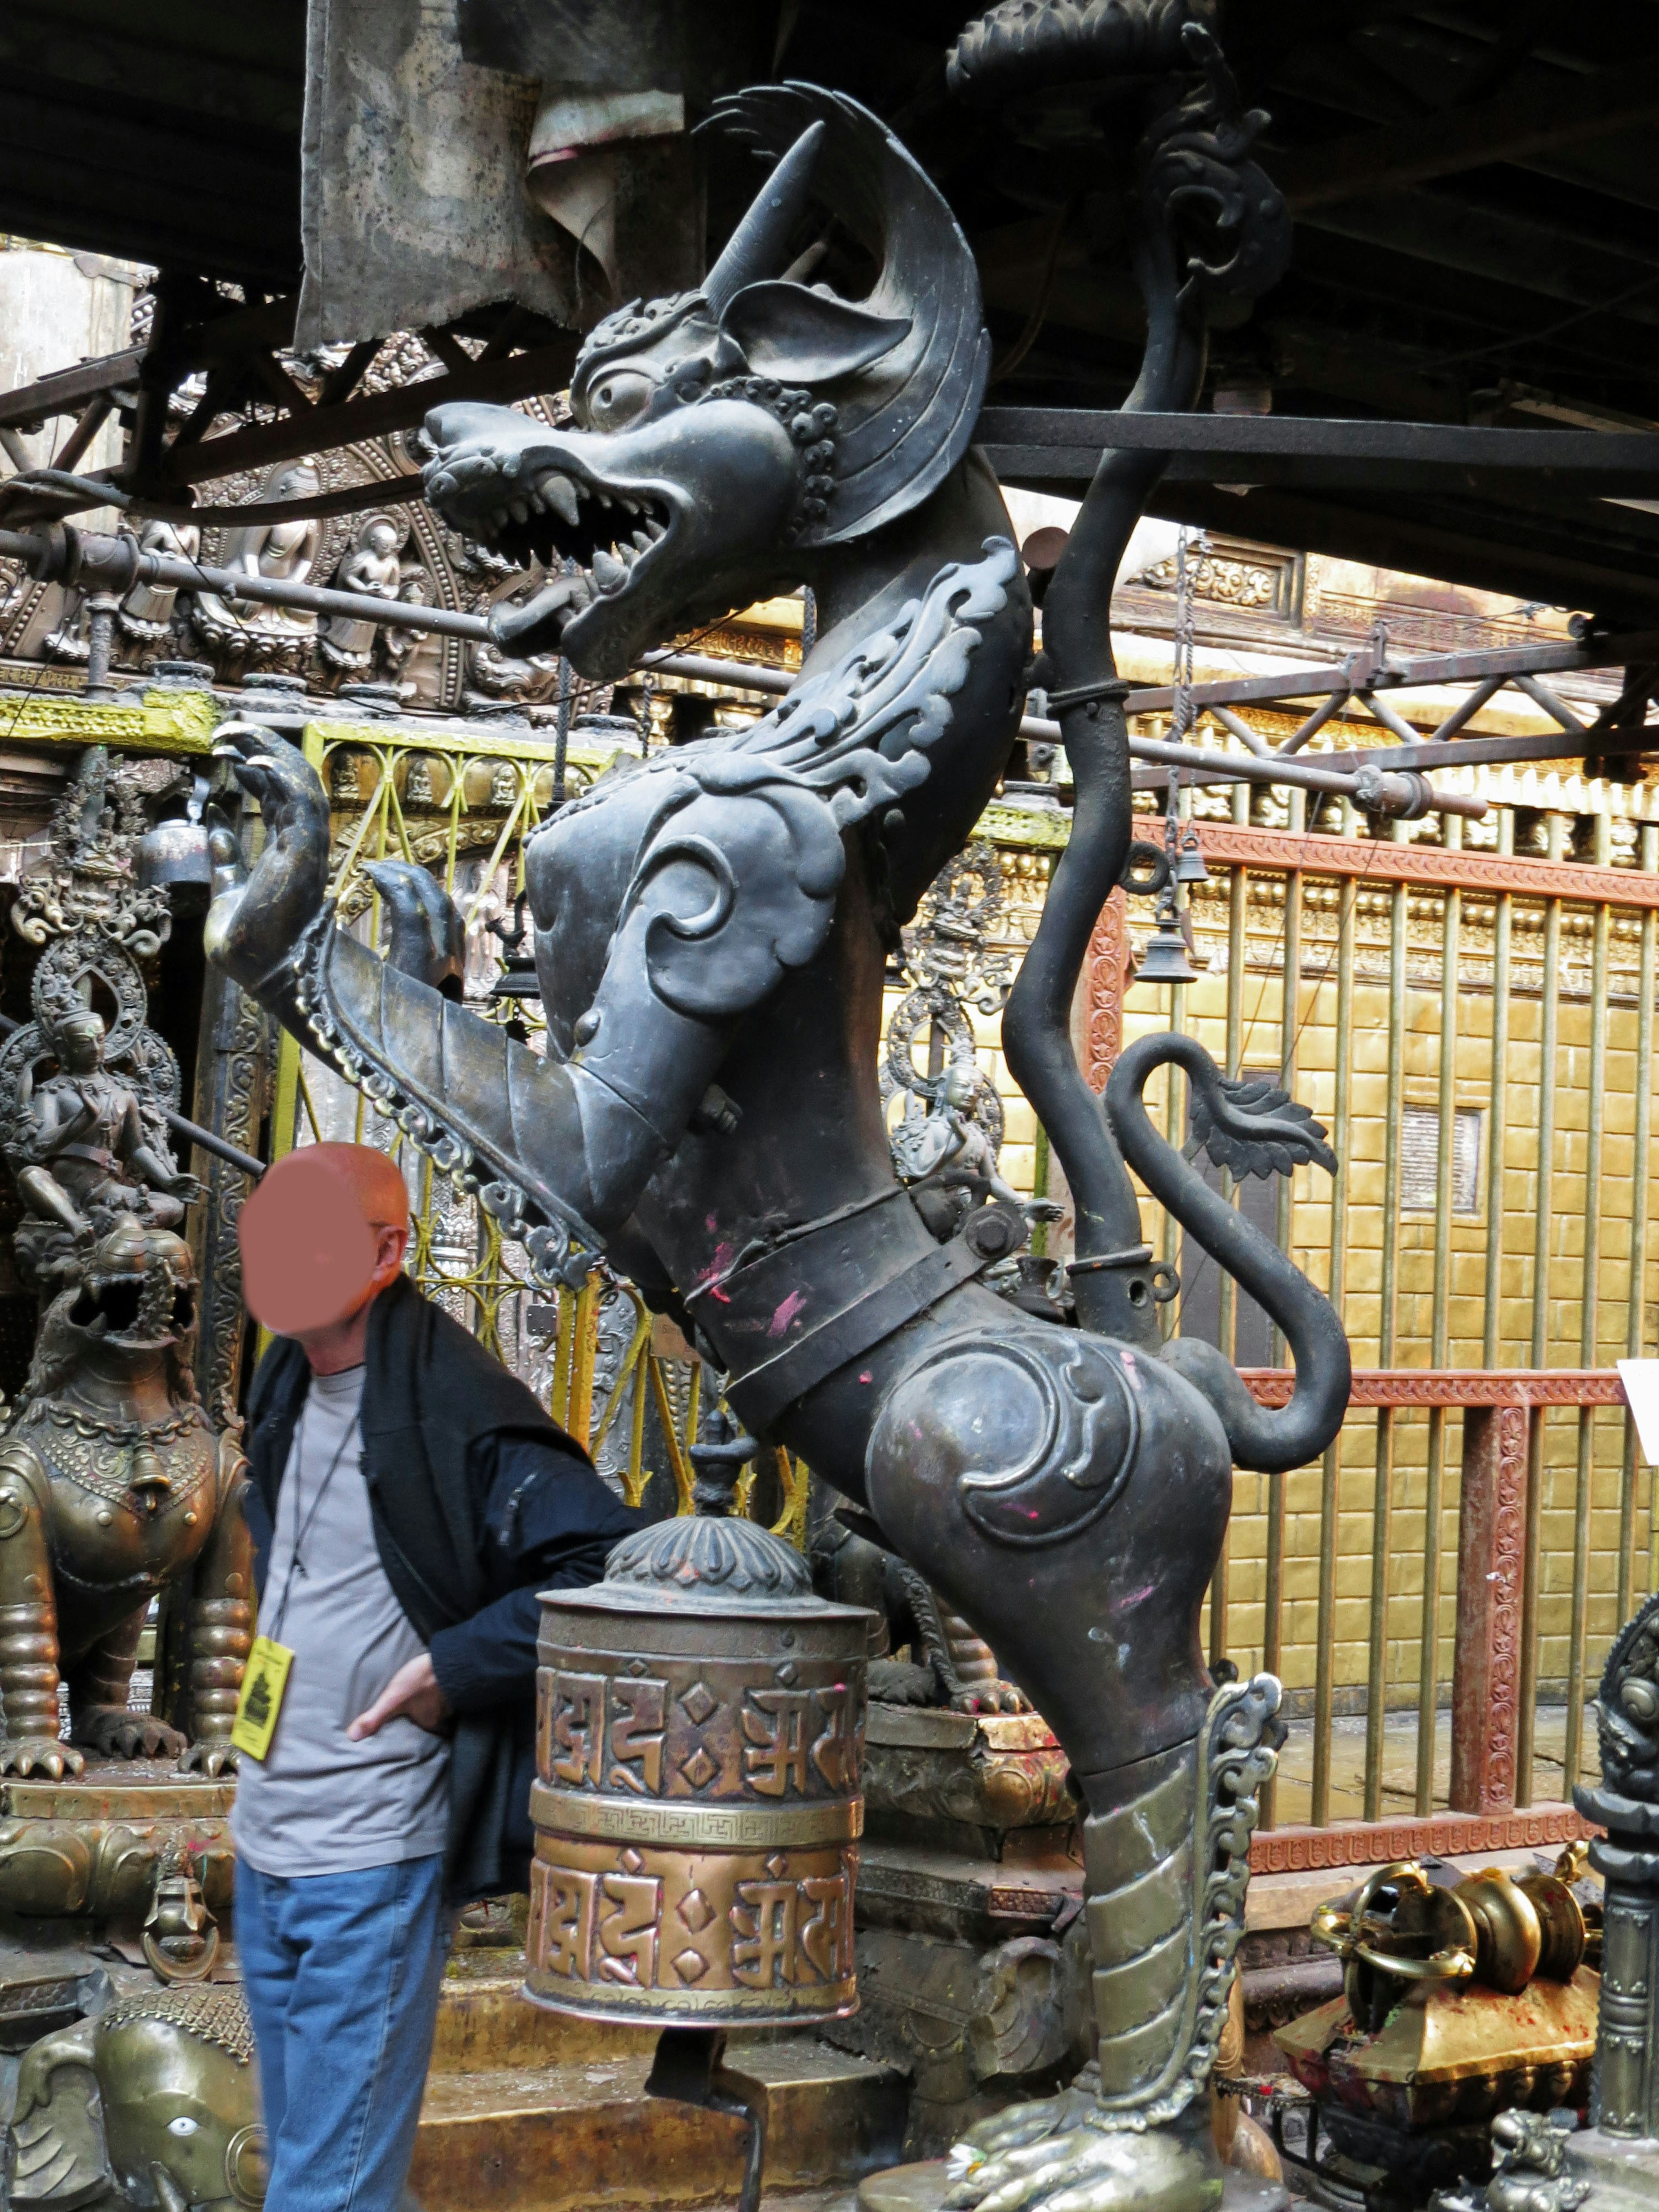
(407, 1498)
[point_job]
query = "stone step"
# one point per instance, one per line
(581, 2136)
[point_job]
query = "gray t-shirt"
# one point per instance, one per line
(318, 1804)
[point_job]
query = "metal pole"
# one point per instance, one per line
(1589, 1326)
(1428, 1680)
(1331, 1481)
(1290, 1006)
(1548, 1027)
(1382, 1511)
(1227, 1290)
(1503, 930)
(1642, 1144)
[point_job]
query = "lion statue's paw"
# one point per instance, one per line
(40, 1755)
(210, 1758)
(990, 1697)
(112, 1732)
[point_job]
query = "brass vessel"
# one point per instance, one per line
(1458, 2002)
(699, 1732)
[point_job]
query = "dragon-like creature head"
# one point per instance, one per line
(722, 437)
(137, 1293)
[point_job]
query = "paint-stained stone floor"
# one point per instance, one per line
(1294, 1804)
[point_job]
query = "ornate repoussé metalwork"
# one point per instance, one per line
(709, 934)
(154, 2102)
(115, 1486)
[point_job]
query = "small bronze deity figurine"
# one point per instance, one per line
(711, 931)
(81, 1152)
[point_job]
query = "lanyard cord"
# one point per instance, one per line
(295, 1566)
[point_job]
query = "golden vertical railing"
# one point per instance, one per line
(1401, 988)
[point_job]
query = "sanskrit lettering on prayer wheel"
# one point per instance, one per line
(700, 1730)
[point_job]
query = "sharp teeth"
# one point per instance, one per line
(604, 498)
(631, 505)
(627, 553)
(561, 495)
(642, 541)
(497, 518)
(536, 500)
(653, 529)
(609, 574)
(518, 509)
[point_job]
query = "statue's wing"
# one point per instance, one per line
(737, 878)
(56, 2127)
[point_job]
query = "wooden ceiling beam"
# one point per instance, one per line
(323, 429)
(1524, 120)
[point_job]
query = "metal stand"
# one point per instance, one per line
(688, 2067)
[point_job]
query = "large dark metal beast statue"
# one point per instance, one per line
(710, 931)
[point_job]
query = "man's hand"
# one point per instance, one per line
(412, 1693)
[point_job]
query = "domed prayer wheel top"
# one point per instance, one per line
(700, 1730)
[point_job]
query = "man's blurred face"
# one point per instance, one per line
(323, 1231)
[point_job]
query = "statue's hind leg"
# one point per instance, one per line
(1069, 1496)
(98, 1681)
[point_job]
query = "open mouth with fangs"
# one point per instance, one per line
(135, 1311)
(559, 516)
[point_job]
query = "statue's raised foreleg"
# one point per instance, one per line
(98, 1681)
(559, 1151)
(28, 1625)
(219, 1628)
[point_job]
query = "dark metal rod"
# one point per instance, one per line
(1590, 453)
(117, 564)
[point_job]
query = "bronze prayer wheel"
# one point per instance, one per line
(699, 1732)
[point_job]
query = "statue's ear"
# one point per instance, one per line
(803, 336)
(57, 2131)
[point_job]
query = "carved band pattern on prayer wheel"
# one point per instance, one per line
(700, 1731)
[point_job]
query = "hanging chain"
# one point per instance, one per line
(1182, 718)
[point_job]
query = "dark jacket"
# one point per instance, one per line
(478, 1500)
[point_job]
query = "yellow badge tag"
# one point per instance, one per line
(261, 1701)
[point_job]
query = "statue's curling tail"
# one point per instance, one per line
(1250, 1126)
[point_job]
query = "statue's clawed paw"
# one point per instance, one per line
(209, 1758)
(1027, 2174)
(1060, 2153)
(897, 1682)
(990, 1697)
(40, 1755)
(114, 1733)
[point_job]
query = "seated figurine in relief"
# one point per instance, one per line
(82, 1153)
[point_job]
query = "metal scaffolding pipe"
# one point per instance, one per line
(62, 554)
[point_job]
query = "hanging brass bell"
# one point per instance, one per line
(699, 1737)
(1190, 865)
(1164, 960)
(176, 856)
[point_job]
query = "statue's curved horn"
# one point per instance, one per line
(758, 247)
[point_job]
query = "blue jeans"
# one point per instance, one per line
(342, 1972)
